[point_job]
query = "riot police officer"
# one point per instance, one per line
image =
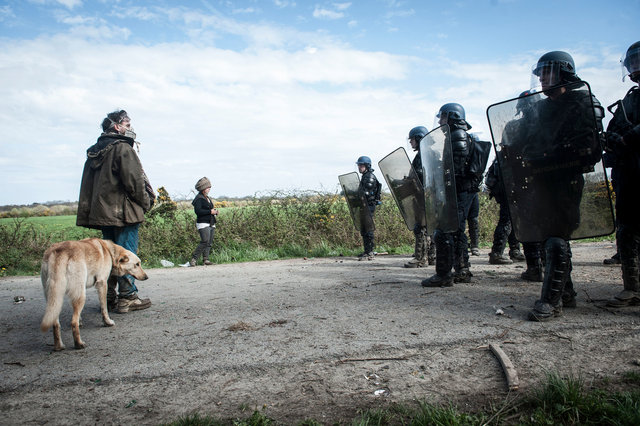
(504, 231)
(623, 139)
(371, 189)
(452, 248)
(424, 252)
(564, 145)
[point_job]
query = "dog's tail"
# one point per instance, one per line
(54, 286)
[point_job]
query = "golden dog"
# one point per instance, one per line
(72, 266)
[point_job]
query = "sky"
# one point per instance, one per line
(271, 95)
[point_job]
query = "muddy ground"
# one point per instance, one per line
(306, 338)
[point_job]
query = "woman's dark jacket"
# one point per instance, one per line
(202, 206)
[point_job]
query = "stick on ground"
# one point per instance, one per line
(507, 367)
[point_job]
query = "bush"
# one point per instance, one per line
(24, 243)
(277, 226)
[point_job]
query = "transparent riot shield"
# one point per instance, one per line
(405, 186)
(441, 207)
(549, 153)
(357, 202)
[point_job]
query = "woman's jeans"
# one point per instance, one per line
(206, 239)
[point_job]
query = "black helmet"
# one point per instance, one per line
(525, 101)
(364, 160)
(451, 111)
(631, 62)
(555, 68)
(418, 133)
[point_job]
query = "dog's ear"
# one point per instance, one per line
(123, 259)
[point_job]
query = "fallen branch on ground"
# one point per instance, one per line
(509, 370)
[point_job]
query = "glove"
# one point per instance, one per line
(615, 143)
(632, 137)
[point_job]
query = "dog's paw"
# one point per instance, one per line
(80, 345)
(59, 348)
(109, 322)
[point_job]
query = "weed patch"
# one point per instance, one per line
(565, 401)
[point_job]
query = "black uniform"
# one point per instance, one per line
(452, 248)
(515, 141)
(371, 189)
(504, 231)
(626, 124)
(425, 249)
(564, 147)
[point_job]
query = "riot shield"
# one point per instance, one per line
(549, 153)
(357, 202)
(405, 186)
(441, 206)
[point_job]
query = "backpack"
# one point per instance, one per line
(478, 158)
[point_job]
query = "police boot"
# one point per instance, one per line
(613, 260)
(368, 248)
(419, 256)
(474, 236)
(556, 274)
(630, 296)
(533, 271)
(431, 251)
(444, 262)
(516, 255)
(498, 259)
(569, 294)
(438, 281)
(462, 276)
(372, 245)
(463, 273)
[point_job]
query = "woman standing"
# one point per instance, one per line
(205, 222)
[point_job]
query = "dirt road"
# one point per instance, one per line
(305, 338)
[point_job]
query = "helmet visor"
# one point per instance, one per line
(630, 62)
(414, 142)
(546, 75)
(441, 118)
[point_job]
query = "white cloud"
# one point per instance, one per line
(246, 10)
(326, 14)
(101, 32)
(283, 4)
(136, 12)
(342, 6)
(70, 4)
(77, 19)
(400, 13)
(6, 13)
(205, 28)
